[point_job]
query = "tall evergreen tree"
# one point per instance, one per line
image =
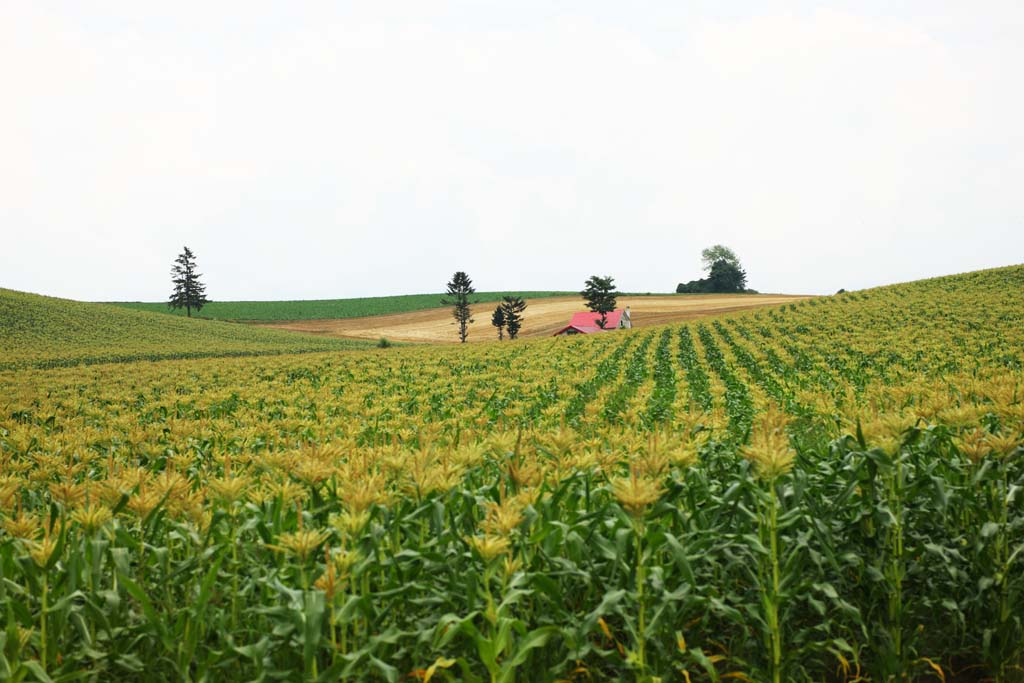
(189, 292)
(498, 320)
(459, 290)
(600, 295)
(513, 307)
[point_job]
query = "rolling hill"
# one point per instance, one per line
(321, 309)
(543, 317)
(42, 331)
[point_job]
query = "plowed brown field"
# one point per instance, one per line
(543, 317)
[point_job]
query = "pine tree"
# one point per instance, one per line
(459, 291)
(498, 320)
(189, 292)
(513, 307)
(600, 295)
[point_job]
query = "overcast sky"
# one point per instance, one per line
(332, 149)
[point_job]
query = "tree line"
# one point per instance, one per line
(723, 266)
(507, 317)
(189, 293)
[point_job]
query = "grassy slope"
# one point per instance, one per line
(41, 331)
(318, 309)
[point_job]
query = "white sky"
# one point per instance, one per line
(331, 149)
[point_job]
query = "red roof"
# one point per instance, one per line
(586, 322)
(589, 319)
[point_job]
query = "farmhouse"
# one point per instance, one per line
(586, 323)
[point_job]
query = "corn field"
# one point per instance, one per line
(826, 491)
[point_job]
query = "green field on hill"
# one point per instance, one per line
(42, 331)
(831, 490)
(320, 309)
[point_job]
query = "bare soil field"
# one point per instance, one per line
(543, 317)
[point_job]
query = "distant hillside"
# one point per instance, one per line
(322, 309)
(543, 317)
(42, 331)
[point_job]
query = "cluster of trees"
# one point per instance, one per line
(724, 274)
(507, 316)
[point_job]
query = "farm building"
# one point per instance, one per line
(586, 323)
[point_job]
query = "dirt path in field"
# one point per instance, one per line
(542, 318)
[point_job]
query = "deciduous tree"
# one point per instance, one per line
(727, 277)
(719, 252)
(600, 295)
